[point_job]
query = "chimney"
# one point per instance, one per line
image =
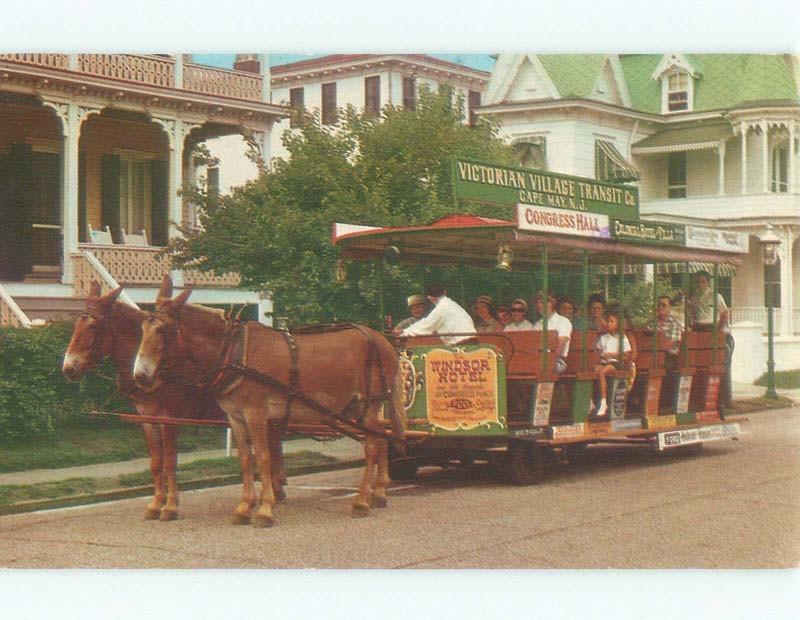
(248, 63)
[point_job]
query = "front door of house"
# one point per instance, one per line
(46, 212)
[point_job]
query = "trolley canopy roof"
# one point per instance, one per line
(475, 240)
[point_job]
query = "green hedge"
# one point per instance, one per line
(34, 395)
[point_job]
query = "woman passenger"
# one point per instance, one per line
(483, 308)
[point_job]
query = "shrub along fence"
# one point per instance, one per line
(35, 398)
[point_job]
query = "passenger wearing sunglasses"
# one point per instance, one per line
(519, 321)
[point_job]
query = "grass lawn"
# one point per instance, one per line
(197, 470)
(784, 379)
(85, 441)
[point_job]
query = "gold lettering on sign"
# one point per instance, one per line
(546, 189)
(461, 388)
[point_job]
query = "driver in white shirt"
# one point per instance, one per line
(447, 317)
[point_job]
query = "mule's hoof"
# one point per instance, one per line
(378, 501)
(358, 511)
(152, 514)
(168, 515)
(263, 521)
(238, 519)
(280, 495)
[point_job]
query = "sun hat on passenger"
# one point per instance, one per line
(484, 299)
(520, 302)
(416, 299)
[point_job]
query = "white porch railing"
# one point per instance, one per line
(758, 315)
(138, 266)
(11, 315)
(107, 281)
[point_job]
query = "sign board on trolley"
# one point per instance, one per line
(690, 436)
(506, 185)
(562, 221)
(716, 239)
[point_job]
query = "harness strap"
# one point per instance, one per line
(294, 374)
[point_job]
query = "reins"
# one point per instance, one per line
(214, 380)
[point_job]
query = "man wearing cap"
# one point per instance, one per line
(483, 308)
(447, 317)
(558, 323)
(519, 321)
(417, 304)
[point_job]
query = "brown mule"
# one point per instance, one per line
(112, 329)
(349, 372)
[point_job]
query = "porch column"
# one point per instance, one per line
(176, 131)
(765, 156)
(72, 116)
(69, 191)
(744, 157)
(785, 328)
(721, 154)
(178, 70)
(792, 178)
(266, 77)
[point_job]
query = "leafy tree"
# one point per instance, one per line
(389, 170)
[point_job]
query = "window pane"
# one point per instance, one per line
(372, 94)
(474, 102)
(409, 93)
(297, 103)
(329, 115)
(677, 175)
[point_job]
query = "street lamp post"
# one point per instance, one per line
(769, 242)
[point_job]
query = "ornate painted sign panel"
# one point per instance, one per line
(458, 390)
(505, 185)
(562, 221)
(660, 233)
(462, 388)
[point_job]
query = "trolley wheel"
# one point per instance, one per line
(524, 463)
(400, 467)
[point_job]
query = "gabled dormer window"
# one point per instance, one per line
(677, 78)
(678, 92)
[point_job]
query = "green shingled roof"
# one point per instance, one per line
(573, 75)
(725, 81)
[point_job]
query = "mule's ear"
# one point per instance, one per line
(181, 299)
(94, 292)
(165, 292)
(112, 296)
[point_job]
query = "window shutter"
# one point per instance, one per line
(110, 167)
(19, 211)
(160, 210)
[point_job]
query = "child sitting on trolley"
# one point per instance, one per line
(608, 347)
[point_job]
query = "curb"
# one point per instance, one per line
(145, 491)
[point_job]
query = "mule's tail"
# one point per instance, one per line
(397, 412)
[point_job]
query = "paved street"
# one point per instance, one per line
(736, 505)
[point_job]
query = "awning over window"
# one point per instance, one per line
(616, 169)
(723, 270)
(685, 139)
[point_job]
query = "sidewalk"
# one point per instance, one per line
(343, 449)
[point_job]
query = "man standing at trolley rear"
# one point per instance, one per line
(447, 317)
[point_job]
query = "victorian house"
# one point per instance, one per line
(710, 140)
(94, 151)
